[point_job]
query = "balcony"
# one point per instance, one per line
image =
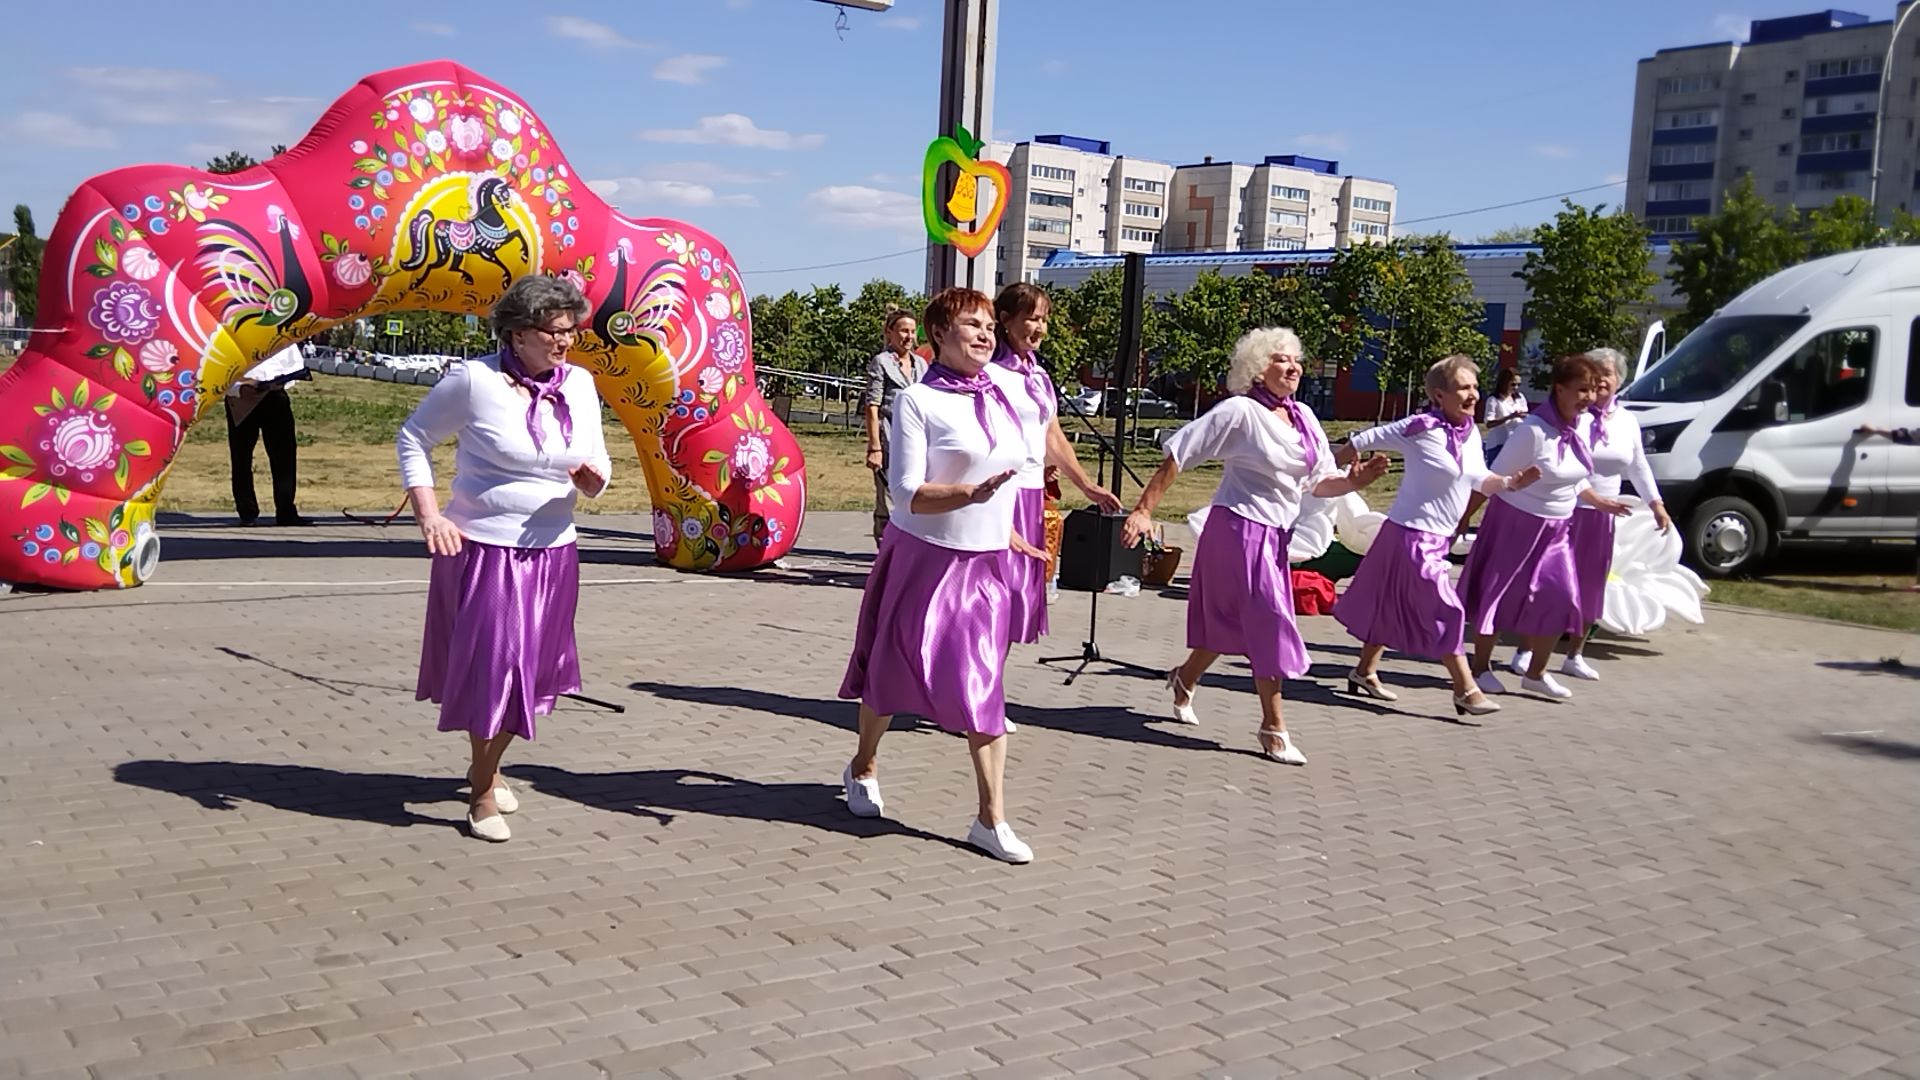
(1699, 170)
(1676, 136)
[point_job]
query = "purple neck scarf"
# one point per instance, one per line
(1456, 433)
(1600, 420)
(1569, 433)
(980, 386)
(1296, 413)
(1027, 366)
(546, 387)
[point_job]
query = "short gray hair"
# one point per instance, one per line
(1254, 352)
(1441, 373)
(530, 301)
(1613, 358)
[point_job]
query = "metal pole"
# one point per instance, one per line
(1880, 110)
(966, 100)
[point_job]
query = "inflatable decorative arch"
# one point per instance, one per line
(422, 187)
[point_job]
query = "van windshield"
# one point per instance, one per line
(1714, 357)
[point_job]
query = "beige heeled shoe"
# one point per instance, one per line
(1473, 703)
(1182, 713)
(1369, 686)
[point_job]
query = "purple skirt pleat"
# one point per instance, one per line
(1592, 534)
(499, 646)
(1519, 576)
(1240, 599)
(1027, 576)
(933, 637)
(1403, 597)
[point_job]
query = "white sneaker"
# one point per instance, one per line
(999, 842)
(1546, 686)
(1489, 683)
(493, 827)
(1577, 666)
(863, 795)
(1522, 660)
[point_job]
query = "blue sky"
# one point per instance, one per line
(755, 120)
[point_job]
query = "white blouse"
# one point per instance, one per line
(936, 439)
(1621, 455)
(1498, 408)
(1433, 493)
(1266, 472)
(1562, 477)
(1034, 420)
(506, 491)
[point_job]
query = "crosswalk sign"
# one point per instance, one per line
(394, 326)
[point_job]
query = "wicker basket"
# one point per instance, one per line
(1159, 563)
(1055, 524)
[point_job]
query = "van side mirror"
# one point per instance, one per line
(1780, 412)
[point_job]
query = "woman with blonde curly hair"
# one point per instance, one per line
(1240, 600)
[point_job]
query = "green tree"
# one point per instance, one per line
(23, 270)
(232, 161)
(1587, 278)
(1904, 230)
(867, 316)
(1511, 234)
(1427, 302)
(1845, 224)
(1196, 333)
(1083, 330)
(1351, 291)
(1746, 242)
(1064, 349)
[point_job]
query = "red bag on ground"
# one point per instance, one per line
(1312, 593)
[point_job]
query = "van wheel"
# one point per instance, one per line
(1727, 535)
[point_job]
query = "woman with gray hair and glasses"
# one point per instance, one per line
(499, 646)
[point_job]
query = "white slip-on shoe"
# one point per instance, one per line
(505, 799)
(1522, 660)
(863, 795)
(1489, 683)
(1183, 714)
(1577, 666)
(1286, 753)
(999, 842)
(1546, 687)
(1012, 727)
(493, 827)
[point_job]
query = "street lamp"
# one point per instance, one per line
(1880, 109)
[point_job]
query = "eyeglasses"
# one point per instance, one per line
(564, 333)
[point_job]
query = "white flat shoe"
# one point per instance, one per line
(1546, 687)
(493, 828)
(505, 799)
(1577, 666)
(1489, 683)
(863, 796)
(1522, 660)
(1475, 704)
(1012, 727)
(1288, 754)
(999, 842)
(1369, 686)
(1182, 713)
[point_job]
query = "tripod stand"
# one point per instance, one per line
(1132, 297)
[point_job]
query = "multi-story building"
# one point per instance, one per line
(1797, 107)
(1076, 195)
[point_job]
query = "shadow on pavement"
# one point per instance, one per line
(1884, 666)
(379, 798)
(1867, 745)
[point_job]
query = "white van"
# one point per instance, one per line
(1751, 423)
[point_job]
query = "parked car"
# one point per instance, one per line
(1143, 404)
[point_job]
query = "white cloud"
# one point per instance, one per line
(139, 80)
(55, 129)
(1731, 27)
(899, 22)
(437, 29)
(1335, 142)
(635, 194)
(733, 129)
(857, 207)
(589, 33)
(688, 69)
(1553, 150)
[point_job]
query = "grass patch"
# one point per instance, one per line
(1862, 583)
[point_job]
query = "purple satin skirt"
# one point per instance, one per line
(1402, 595)
(1240, 600)
(1592, 560)
(1027, 575)
(499, 645)
(933, 636)
(1519, 576)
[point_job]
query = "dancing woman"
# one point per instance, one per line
(499, 646)
(1021, 314)
(1240, 600)
(1402, 596)
(937, 615)
(1520, 576)
(1617, 454)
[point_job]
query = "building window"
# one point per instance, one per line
(1052, 225)
(1378, 206)
(1793, 75)
(1786, 149)
(1141, 236)
(1836, 142)
(1145, 210)
(1049, 172)
(1292, 194)
(1839, 104)
(1688, 84)
(1285, 217)
(1669, 224)
(1041, 198)
(1680, 189)
(1748, 99)
(1685, 153)
(1853, 65)
(1786, 113)
(1368, 228)
(1686, 118)
(1038, 251)
(1135, 183)
(1834, 181)
(1746, 134)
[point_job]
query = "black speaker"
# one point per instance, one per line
(1092, 555)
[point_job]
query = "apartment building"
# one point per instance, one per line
(1797, 107)
(1074, 194)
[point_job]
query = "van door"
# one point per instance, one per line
(1804, 416)
(1903, 459)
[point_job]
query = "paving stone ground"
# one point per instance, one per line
(230, 846)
